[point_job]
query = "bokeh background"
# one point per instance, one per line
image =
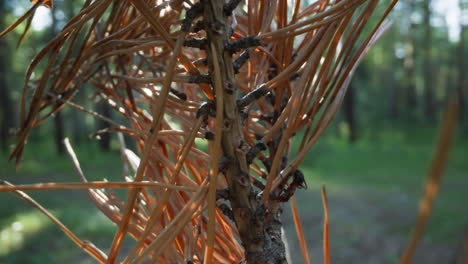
(373, 159)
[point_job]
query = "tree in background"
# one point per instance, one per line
(7, 117)
(409, 62)
(429, 97)
(461, 57)
(59, 127)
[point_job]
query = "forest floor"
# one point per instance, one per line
(373, 190)
(369, 227)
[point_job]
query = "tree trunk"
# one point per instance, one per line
(393, 88)
(349, 113)
(461, 56)
(78, 128)
(59, 133)
(59, 130)
(259, 228)
(409, 70)
(6, 106)
(429, 99)
(105, 139)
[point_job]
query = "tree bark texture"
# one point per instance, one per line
(259, 230)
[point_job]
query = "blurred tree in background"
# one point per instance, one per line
(404, 80)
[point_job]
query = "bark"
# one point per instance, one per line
(105, 139)
(59, 133)
(349, 112)
(259, 228)
(6, 106)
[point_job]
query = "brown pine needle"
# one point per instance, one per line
(28, 14)
(91, 185)
(326, 241)
(299, 231)
(167, 235)
(158, 209)
(157, 117)
(439, 161)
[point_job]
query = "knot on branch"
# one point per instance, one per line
(209, 135)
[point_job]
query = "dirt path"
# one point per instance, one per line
(365, 227)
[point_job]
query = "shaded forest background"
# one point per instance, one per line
(404, 81)
(373, 158)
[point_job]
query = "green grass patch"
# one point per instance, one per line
(379, 165)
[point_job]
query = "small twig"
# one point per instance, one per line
(230, 6)
(252, 96)
(182, 96)
(200, 25)
(202, 78)
(241, 60)
(257, 148)
(298, 181)
(205, 109)
(199, 43)
(191, 14)
(242, 43)
(258, 183)
(90, 112)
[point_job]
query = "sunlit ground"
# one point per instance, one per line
(374, 186)
(16, 231)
